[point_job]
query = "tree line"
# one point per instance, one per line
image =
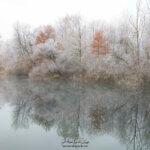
(76, 49)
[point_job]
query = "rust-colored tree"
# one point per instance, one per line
(47, 33)
(97, 116)
(99, 44)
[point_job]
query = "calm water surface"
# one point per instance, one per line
(59, 115)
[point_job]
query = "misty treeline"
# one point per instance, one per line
(78, 49)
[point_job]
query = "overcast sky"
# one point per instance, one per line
(39, 12)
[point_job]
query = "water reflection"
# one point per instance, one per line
(76, 109)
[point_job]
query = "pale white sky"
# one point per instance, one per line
(39, 12)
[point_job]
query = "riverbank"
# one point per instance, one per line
(128, 81)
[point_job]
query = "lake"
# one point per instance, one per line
(59, 115)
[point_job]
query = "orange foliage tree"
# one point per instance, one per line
(99, 44)
(43, 36)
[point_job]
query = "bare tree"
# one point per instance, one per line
(71, 33)
(132, 43)
(24, 39)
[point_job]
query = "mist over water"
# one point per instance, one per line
(41, 115)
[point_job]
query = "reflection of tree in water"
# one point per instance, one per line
(97, 116)
(43, 122)
(77, 108)
(131, 124)
(21, 114)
